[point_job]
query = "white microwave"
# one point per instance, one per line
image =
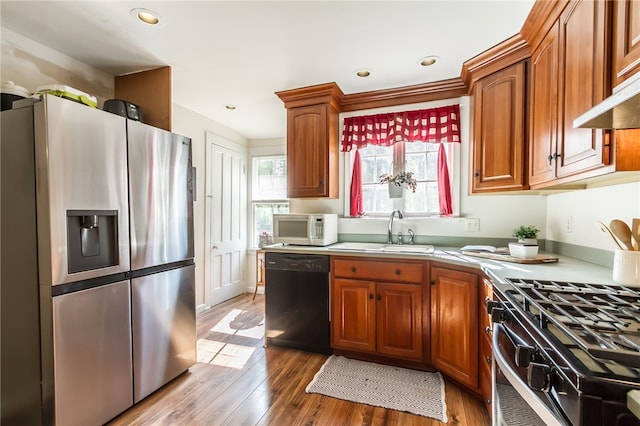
(305, 229)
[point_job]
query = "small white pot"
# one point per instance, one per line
(523, 251)
(395, 191)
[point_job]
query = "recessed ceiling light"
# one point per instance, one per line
(230, 107)
(428, 60)
(147, 16)
(363, 73)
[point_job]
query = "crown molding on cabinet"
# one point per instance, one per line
(496, 58)
(325, 93)
(542, 17)
(443, 89)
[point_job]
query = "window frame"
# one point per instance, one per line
(453, 155)
(252, 234)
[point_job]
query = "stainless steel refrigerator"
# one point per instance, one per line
(97, 241)
(163, 276)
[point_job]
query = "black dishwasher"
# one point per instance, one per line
(297, 301)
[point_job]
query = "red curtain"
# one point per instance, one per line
(356, 188)
(444, 187)
(427, 125)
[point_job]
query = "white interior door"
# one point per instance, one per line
(226, 219)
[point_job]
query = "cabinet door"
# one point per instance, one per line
(499, 130)
(584, 76)
(626, 39)
(544, 101)
(399, 320)
(307, 147)
(353, 318)
(454, 332)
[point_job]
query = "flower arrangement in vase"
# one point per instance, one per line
(264, 239)
(399, 182)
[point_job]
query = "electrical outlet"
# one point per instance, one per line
(472, 225)
(569, 224)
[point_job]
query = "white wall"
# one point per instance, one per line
(585, 208)
(30, 64)
(194, 125)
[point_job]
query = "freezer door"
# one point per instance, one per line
(92, 353)
(81, 166)
(161, 196)
(164, 328)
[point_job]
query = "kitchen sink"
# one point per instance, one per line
(358, 246)
(381, 247)
(409, 248)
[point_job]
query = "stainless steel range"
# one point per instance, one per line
(570, 351)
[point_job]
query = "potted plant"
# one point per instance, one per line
(399, 182)
(526, 234)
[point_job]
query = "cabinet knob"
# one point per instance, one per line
(378, 297)
(550, 157)
(353, 269)
(370, 296)
(489, 401)
(556, 155)
(476, 174)
(432, 282)
(488, 359)
(398, 271)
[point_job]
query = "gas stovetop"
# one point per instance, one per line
(603, 320)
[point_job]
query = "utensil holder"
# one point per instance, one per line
(626, 267)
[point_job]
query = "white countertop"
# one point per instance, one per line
(566, 269)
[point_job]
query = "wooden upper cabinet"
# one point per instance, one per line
(569, 75)
(584, 76)
(499, 117)
(626, 39)
(543, 125)
(312, 140)
(308, 144)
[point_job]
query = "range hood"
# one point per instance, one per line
(619, 111)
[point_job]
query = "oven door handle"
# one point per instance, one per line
(541, 409)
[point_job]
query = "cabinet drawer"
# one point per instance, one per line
(379, 270)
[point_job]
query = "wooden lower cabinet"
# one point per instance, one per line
(485, 334)
(381, 318)
(454, 322)
(425, 314)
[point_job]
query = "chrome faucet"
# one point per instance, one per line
(389, 233)
(411, 235)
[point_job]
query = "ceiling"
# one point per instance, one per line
(241, 52)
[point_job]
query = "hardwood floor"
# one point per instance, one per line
(238, 382)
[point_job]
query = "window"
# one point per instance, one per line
(425, 142)
(417, 157)
(268, 193)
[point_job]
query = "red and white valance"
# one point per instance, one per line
(427, 125)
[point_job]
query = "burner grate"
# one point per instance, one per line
(604, 320)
